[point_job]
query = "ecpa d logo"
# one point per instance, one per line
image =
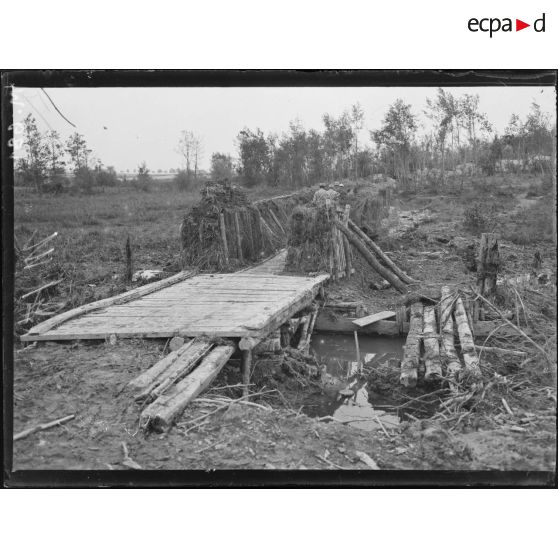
(492, 25)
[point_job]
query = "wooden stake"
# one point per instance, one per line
(238, 237)
(246, 366)
(129, 262)
(346, 245)
(488, 264)
(224, 237)
(357, 349)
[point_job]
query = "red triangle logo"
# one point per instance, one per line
(519, 25)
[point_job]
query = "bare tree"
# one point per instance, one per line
(191, 148)
(197, 150)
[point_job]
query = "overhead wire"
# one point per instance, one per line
(57, 110)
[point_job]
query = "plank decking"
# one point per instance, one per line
(251, 303)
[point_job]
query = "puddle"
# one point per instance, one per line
(347, 397)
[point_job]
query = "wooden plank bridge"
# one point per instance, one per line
(249, 303)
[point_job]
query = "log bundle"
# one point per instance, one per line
(168, 386)
(226, 231)
(432, 339)
(323, 238)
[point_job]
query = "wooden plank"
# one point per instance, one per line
(124, 297)
(367, 320)
(162, 413)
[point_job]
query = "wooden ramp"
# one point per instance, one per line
(251, 303)
(273, 265)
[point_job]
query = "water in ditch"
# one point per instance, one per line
(347, 395)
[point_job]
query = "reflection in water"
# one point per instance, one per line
(348, 397)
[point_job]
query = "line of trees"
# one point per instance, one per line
(50, 164)
(460, 140)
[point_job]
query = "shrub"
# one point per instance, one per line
(83, 180)
(183, 181)
(479, 218)
(143, 179)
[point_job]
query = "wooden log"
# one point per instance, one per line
(411, 355)
(307, 330)
(44, 241)
(162, 413)
(401, 317)
(40, 427)
(305, 325)
(342, 324)
(380, 254)
(387, 274)
(367, 320)
(277, 222)
(247, 343)
(431, 342)
(224, 237)
(448, 352)
(181, 367)
(238, 236)
(346, 245)
(33, 259)
(354, 306)
(151, 374)
(246, 367)
(118, 299)
(488, 264)
(248, 222)
(357, 348)
(129, 261)
(468, 351)
(500, 351)
(47, 286)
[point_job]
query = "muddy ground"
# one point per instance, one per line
(89, 379)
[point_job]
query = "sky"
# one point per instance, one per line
(125, 126)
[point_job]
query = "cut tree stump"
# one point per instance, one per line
(488, 264)
(470, 358)
(431, 339)
(162, 413)
(411, 356)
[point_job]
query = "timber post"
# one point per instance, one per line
(246, 367)
(238, 237)
(224, 237)
(488, 264)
